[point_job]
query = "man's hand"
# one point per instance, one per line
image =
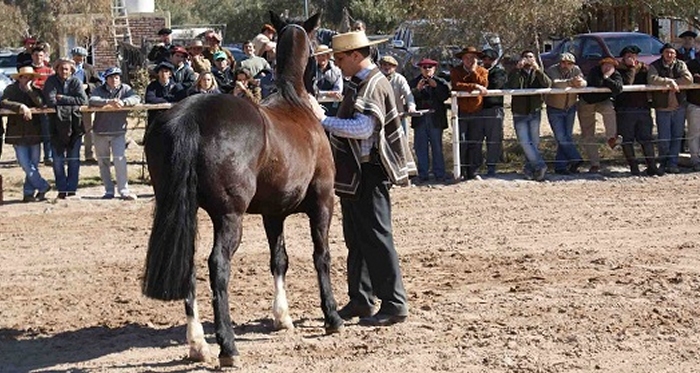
(26, 112)
(482, 90)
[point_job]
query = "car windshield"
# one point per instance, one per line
(8, 60)
(647, 44)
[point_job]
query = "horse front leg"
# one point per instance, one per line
(199, 349)
(279, 262)
(320, 221)
(227, 237)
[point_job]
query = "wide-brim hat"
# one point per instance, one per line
(468, 50)
(212, 35)
(630, 49)
(350, 41)
(321, 49)
(688, 33)
(25, 70)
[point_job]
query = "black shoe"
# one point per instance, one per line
(382, 319)
(28, 199)
(634, 170)
(62, 195)
(351, 310)
(562, 172)
(673, 170)
(574, 166)
(41, 196)
(48, 162)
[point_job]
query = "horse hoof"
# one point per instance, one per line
(336, 326)
(229, 361)
(284, 324)
(199, 354)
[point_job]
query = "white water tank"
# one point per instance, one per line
(140, 6)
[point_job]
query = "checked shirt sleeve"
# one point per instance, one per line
(359, 127)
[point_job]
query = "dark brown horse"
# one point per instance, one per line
(231, 157)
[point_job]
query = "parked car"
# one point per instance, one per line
(4, 82)
(8, 62)
(590, 48)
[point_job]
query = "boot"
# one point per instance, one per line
(628, 151)
(649, 159)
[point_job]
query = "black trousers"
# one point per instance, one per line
(373, 264)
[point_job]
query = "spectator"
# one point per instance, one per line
(329, 79)
(183, 75)
(161, 50)
(110, 131)
(633, 112)
(527, 112)
(198, 61)
(367, 160)
(602, 75)
(247, 87)
(561, 113)
(24, 130)
(24, 58)
(206, 83)
(163, 89)
(358, 25)
(88, 76)
(469, 77)
(693, 115)
(688, 52)
(264, 43)
(490, 126)
(44, 70)
(213, 40)
(64, 92)
(405, 102)
(669, 105)
(223, 72)
(430, 92)
(254, 63)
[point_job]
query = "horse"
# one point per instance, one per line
(232, 157)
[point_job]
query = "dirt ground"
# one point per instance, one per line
(577, 274)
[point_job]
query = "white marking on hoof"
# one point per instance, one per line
(280, 307)
(199, 348)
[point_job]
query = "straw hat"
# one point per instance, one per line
(350, 41)
(468, 50)
(322, 49)
(23, 71)
(196, 43)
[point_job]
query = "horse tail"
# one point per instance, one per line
(172, 147)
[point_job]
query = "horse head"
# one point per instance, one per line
(296, 66)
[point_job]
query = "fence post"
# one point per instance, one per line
(455, 136)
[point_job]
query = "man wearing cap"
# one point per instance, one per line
(561, 113)
(669, 105)
(491, 125)
(110, 131)
(163, 89)
(198, 61)
(693, 115)
(254, 63)
(161, 50)
(213, 40)
(469, 77)
(24, 130)
(405, 102)
(527, 112)
(86, 73)
(329, 79)
(223, 72)
(688, 52)
(602, 75)
(24, 58)
(430, 93)
(264, 43)
(371, 152)
(633, 112)
(65, 93)
(183, 75)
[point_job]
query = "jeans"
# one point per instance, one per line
(28, 158)
(670, 126)
(117, 145)
(67, 183)
(467, 123)
(425, 135)
(46, 137)
(562, 123)
(527, 129)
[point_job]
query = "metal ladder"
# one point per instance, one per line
(120, 23)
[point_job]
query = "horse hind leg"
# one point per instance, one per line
(199, 349)
(227, 237)
(279, 262)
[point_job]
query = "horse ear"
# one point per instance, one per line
(312, 23)
(277, 21)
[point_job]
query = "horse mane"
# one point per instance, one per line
(293, 56)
